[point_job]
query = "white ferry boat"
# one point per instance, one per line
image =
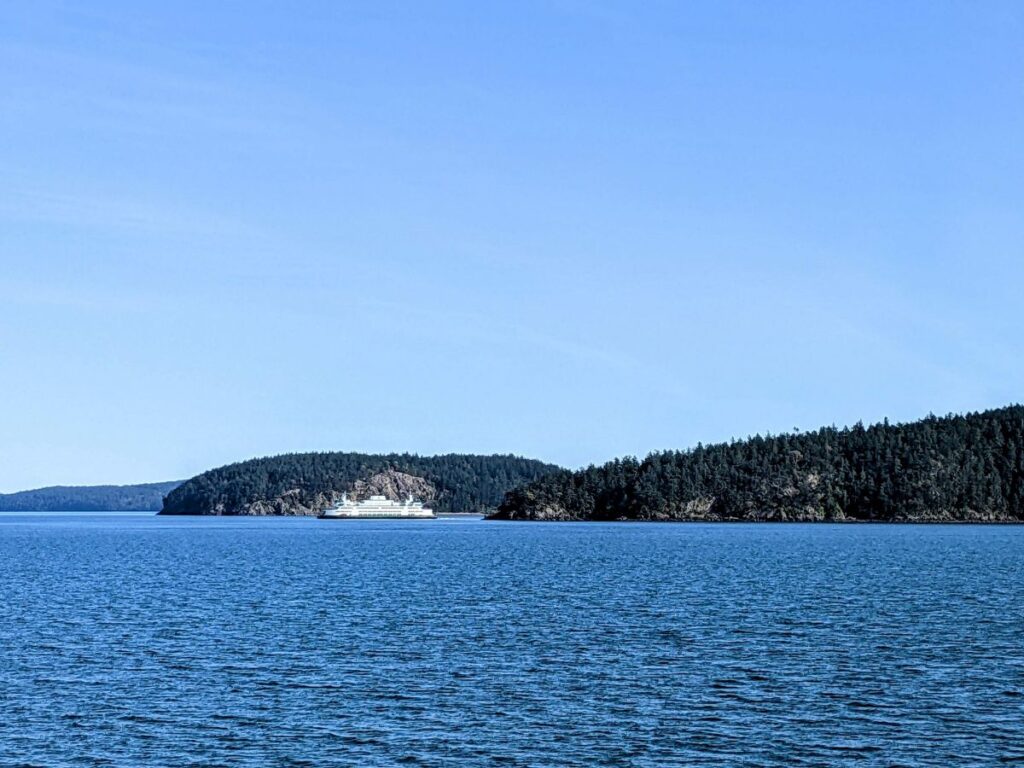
(376, 507)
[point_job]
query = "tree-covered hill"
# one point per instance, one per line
(305, 483)
(953, 468)
(146, 497)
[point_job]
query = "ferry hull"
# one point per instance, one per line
(376, 517)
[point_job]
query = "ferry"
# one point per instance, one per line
(377, 508)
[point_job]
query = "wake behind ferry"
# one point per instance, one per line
(377, 508)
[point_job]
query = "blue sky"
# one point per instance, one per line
(561, 229)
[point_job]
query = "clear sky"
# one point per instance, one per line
(570, 230)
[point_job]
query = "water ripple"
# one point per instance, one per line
(152, 641)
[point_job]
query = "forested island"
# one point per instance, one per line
(306, 483)
(145, 497)
(941, 469)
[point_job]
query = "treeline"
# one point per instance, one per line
(462, 483)
(146, 497)
(952, 468)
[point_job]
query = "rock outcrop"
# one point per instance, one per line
(396, 485)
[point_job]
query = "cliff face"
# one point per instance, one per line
(391, 483)
(950, 469)
(395, 485)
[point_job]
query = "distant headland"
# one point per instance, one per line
(144, 497)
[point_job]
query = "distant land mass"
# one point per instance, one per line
(146, 497)
(306, 483)
(941, 469)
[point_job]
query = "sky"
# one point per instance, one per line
(567, 230)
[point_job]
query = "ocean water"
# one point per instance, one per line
(131, 640)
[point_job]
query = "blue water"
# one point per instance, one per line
(133, 640)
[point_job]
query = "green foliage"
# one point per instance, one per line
(951, 468)
(146, 497)
(465, 483)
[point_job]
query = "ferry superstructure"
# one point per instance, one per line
(377, 507)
